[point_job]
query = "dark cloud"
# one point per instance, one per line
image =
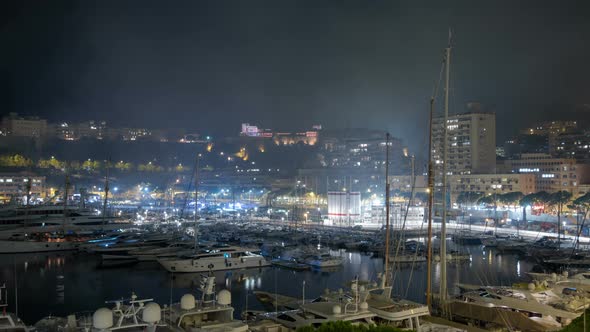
(209, 65)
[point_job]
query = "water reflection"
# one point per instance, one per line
(44, 279)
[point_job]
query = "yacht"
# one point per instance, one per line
(129, 315)
(397, 312)
(211, 313)
(348, 309)
(536, 308)
(324, 260)
(230, 258)
(40, 243)
(52, 217)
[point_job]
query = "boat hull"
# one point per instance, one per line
(206, 265)
(16, 247)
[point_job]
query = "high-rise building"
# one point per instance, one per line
(574, 145)
(471, 143)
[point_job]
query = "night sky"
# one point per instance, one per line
(210, 65)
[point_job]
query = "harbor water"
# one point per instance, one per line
(63, 283)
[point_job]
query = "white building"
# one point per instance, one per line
(471, 143)
(344, 208)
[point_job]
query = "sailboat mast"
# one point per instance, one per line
(443, 227)
(430, 202)
(196, 228)
(385, 275)
(106, 194)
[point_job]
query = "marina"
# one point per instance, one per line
(69, 292)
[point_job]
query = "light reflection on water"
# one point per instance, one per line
(61, 284)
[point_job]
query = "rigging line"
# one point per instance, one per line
(403, 226)
(413, 264)
(188, 190)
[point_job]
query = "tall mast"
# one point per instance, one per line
(196, 228)
(443, 227)
(385, 272)
(106, 194)
(430, 202)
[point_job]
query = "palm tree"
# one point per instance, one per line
(560, 198)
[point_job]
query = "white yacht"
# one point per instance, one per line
(536, 308)
(230, 258)
(210, 313)
(130, 315)
(348, 309)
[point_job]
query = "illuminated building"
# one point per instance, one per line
(552, 174)
(551, 128)
(471, 144)
(490, 184)
(15, 186)
(571, 145)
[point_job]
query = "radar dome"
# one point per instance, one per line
(187, 302)
(531, 286)
(449, 256)
(364, 306)
(566, 274)
(151, 313)
(224, 297)
(102, 319)
(336, 310)
(436, 258)
(553, 276)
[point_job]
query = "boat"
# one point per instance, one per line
(535, 307)
(291, 264)
(39, 243)
(324, 260)
(315, 313)
(132, 314)
(152, 254)
(213, 312)
(407, 258)
(230, 258)
(9, 322)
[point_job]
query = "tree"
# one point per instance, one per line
(123, 166)
(15, 160)
(51, 163)
(487, 200)
(468, 197)
(559, 199)
(511, 198)
(340, 326)
(527, 200)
